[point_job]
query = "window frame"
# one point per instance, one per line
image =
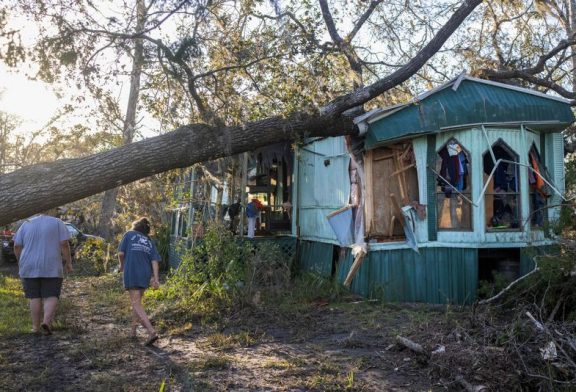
(438, 193)
(514, 156)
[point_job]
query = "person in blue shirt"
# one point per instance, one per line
(139, 260)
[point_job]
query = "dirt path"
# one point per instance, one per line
(329, 348)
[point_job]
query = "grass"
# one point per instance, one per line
(14, 311)
(211, 362)
(222, 341)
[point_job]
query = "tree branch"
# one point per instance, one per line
(365, 94)
(365, 16)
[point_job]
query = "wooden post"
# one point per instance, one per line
(354, 268)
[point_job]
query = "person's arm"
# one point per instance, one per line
(17, 251)
(66, 256)
(121, 257)
(156, 271)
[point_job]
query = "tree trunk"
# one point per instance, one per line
(39, 187)
(105, 223)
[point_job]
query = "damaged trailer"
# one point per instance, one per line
(436, 194)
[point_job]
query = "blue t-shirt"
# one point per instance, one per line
(40, 239)
(251, 210)
(139, 252)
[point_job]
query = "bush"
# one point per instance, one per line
(220, 273)
(93, 257)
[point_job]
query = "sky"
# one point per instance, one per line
(32, 101)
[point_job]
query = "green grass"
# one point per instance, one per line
(14, 311)
(211, 362)
(222, 341)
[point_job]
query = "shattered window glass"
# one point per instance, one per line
(502, 197)
(453, 187)
(539, 192)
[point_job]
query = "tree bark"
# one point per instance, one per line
(110, 196)
(39, 187)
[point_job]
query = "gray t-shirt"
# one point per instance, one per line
(40, 239)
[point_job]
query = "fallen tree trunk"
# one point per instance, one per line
(39, 187)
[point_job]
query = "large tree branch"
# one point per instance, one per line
(360, 22)
(365, 94)
(39, 187)
(330, 25)
(529, 74)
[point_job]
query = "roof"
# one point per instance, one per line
(466, 102)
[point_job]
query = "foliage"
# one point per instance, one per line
(94, 257)
(15, 315)
(220, 273)
(161, 238)
(487, 289)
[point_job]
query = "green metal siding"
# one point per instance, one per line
(323, 187)
(472, 103)
(436, 275)
(315, 257)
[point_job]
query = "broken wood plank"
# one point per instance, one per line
(411, 345)
(354, 268)
(397, 210)
(403, 169)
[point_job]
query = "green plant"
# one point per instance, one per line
(93, 257)
(162, 240)
(15, 316)
(489, 288)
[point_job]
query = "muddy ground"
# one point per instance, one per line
(327, 347)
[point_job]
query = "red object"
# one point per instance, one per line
(258, 203)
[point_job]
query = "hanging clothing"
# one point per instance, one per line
(538, 181)
(453, 168)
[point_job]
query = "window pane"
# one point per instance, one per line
(505, 210)
(538, 189)
(502, 198)
(453, 210)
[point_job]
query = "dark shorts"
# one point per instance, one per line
(42, 287)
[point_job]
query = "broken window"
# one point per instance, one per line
(453, 187)
(502, 197)
(538, 188)
(391, 183)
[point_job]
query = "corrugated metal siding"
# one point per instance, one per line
(436, 275)
(555, 163)
(324, 186)
(315, 257)
(471, 103)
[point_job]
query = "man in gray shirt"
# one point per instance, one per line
(42, 249)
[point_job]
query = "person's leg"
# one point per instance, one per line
(36, 313)
(50, 289)
(134, 324)
(251, 227)
(31, 288)
(138, 309)
(50, 305)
